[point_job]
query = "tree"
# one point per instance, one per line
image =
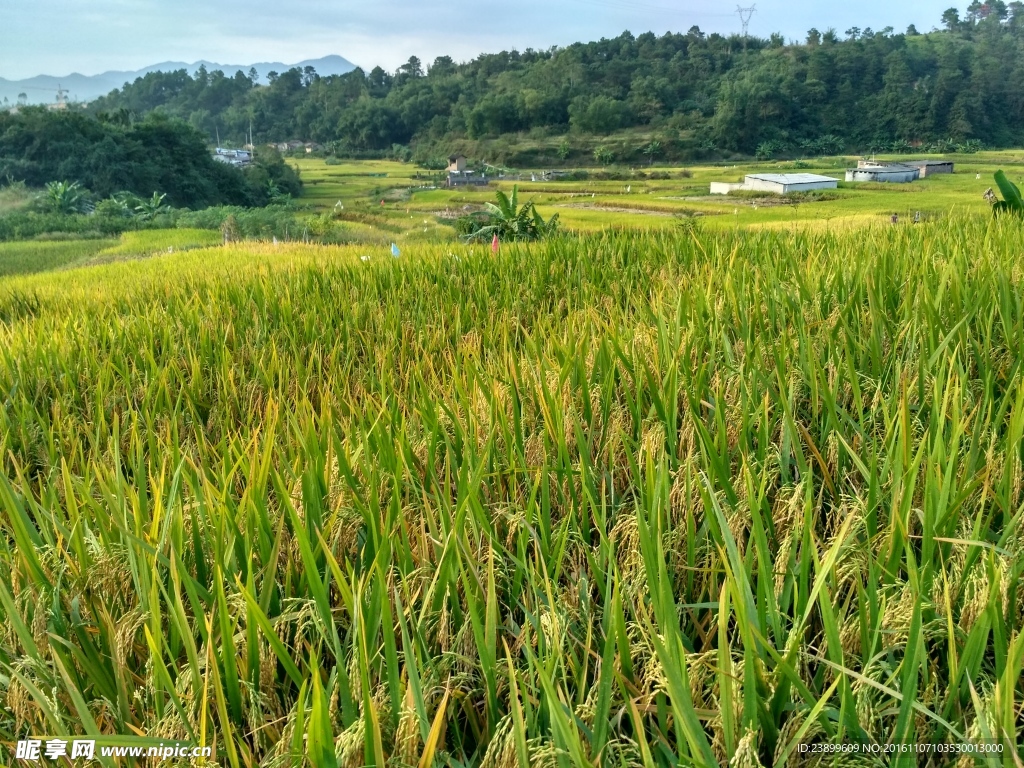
(564, 150)
(853, 33)
(999, 9)
(652, 150)
(603, 155)
(443, 66)
(951, 19)
(412, 69)
(601, 114)
(813, 37)
(1015, 11)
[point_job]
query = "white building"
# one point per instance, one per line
(891, 173)
(778, 183)
(232, 156)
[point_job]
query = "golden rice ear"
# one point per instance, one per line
(239, 475)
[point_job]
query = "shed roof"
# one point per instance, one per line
(790, 178)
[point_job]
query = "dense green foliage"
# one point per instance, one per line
(273, 221)
(698, 91)
(26, 225)
(115, 154)
(623, 500)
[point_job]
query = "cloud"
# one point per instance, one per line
(60, 36)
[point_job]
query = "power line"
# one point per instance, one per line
(628, 5)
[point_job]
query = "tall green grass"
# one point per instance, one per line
(27, 257)
(626, 500)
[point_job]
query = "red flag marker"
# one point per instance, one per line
(494, 244)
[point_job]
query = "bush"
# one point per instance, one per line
(260, 223)
(768, 150)
(470, 224)
(27, 225)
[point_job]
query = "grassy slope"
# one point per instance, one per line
(640, 495)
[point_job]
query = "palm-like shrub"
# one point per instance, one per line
(67, 197)
(512, 222)
(147, 210)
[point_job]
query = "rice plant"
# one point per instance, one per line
(632, 499)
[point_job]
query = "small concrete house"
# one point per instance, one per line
(457, 164)
(778, 183)
(891, 173)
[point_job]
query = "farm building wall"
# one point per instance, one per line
(886, 174)
(783, 188)
(932, 167)
(722, 188)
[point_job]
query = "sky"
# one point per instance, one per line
(57, 37)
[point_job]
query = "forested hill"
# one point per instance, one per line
(859, 88)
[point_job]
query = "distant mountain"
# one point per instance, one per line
(42, 89)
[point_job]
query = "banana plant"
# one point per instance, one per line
(67, 197)
(1012, 201)
(147, 210)
(512, 222)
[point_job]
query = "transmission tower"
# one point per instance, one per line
(745, 16)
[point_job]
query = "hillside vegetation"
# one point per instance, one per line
(115, 154)
(625, 499)
(693, 94)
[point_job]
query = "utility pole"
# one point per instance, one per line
(745, 15)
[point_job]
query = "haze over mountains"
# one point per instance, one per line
(42, 89)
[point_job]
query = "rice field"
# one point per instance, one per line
(42, 256)
(412, 208)
(27, 257)
(639, 498)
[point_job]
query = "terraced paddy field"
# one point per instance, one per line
(26, 257)
(416, 210)
(746, 497)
